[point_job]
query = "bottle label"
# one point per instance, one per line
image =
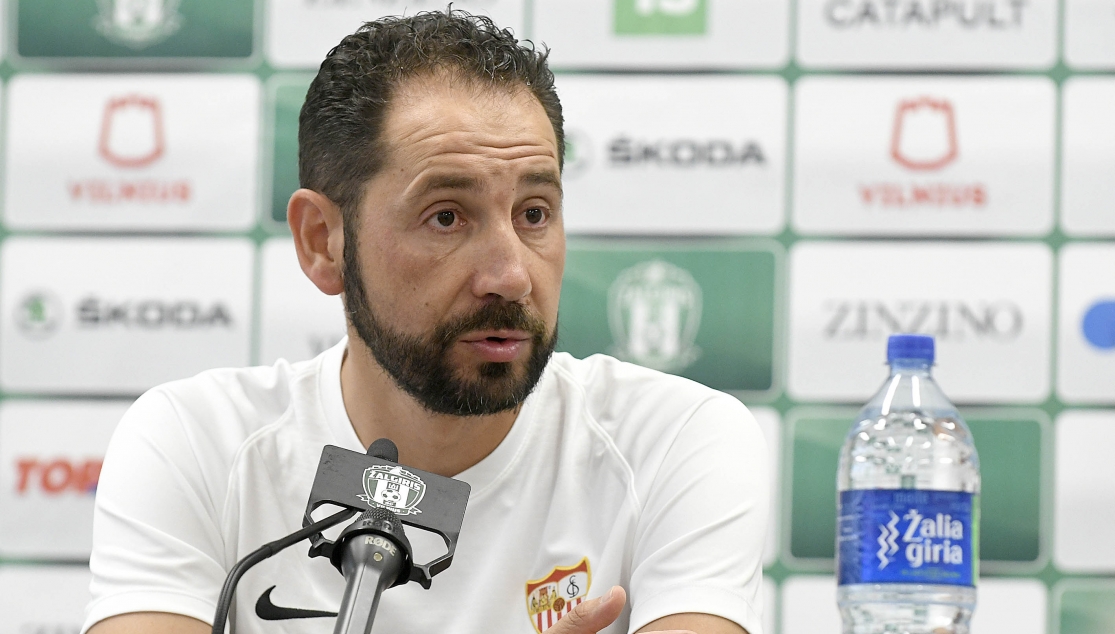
(908, 536)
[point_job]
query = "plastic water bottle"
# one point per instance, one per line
(907, 542)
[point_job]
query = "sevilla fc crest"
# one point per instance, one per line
(393, 488)
(556, 594)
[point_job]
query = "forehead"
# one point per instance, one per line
(444, 115)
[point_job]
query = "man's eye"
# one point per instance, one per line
(446, 218)
(534, 215)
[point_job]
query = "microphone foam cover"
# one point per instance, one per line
(384, 449)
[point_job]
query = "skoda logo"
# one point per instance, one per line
(39, 314)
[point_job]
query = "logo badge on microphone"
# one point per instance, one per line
(393, 488)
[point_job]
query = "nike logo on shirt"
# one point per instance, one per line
(270, 612)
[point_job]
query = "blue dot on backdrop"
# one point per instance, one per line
(1099, 324)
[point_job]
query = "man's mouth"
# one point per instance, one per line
(497, 346)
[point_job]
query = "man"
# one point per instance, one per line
(605, 497)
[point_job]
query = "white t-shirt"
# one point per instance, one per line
(611, 475)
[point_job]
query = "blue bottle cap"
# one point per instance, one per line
(912, 347)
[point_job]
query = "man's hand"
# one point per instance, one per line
(596, 614)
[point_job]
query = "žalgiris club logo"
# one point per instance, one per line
(556, 594)
(661, 17)
(39, 314)
(654, 311)
(924, 142)
(393, 488)
(137, 24)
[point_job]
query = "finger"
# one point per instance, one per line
(592, 616)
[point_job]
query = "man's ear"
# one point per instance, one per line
(318, 229)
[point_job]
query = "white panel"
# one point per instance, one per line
(987, 304)
(300, 33)
(297, 321)
(1090, 33)
(674, 154)
(1084, 492)
(50, 461)
(43, 599)
(809, 605)
(771, 424)
(923, 34)
(1088, 138)
(770, 603)
(924, 156)
(665, 34)
(1086, 324)
(132, 152)
(1017, 606)
(120, 315)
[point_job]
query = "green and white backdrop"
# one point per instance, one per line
(758, 192)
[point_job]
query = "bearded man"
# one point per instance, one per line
(430, 152)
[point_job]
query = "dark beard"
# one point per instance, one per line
(420, 365)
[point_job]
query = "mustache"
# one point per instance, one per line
(492, 316)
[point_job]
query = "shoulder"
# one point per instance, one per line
(642, 410)
(211, 415)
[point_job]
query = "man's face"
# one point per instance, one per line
(453, 266)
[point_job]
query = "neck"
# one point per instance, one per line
(438, 443)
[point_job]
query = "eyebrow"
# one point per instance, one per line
(470, 183)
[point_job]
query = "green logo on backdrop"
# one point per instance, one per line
(135, 28)
(703, 310)
(661, 17)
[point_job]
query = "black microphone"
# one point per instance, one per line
(373, 554)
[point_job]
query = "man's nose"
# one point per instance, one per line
(501, 264)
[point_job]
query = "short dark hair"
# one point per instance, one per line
(340, 146)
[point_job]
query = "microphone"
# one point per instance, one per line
(373, 554)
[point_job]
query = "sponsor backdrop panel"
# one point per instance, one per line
(1090, 34)
(988, 305)
(1086, 313)
(296, 320)
(927, 34)
(1084, 606)
(675, 154)
(1011, 445)
(108, 30)
(43, 599)
(924, 156)
(286, 94)
(1085, 492)
(120, 315)
(132, 152)
(301, 32)
(1088, 156)
(663, 34)
(668, 305)
(50, 462)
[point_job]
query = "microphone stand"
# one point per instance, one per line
(373, 553)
